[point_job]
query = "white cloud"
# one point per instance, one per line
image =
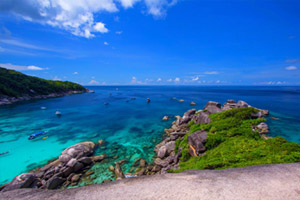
(292, 60)
(32, 67)
(76, 16)
(135, 81)
(196, 78)
(105, 43)
(169, 80)
(128, 3)
(93, 82)
(218, 81)
(100, 27)
(75, 73)
(21, 68)
(119, 32)
(56, 78)
(289, 68)
(211, 73)
(159, 79)
(177, 79)
(158, 7)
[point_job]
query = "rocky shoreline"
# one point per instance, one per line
(168, 159)
(6, 100)
(75, 162)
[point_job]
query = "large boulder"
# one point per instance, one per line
(79, 150)
(118, 171)
(25, 180)
(162, 152)
(170, 147)
(161, 163)
(212, 107)
(196, 143)
(201, 117)
(55, 182)
(242, 104)
(187, 116)
(262, 128)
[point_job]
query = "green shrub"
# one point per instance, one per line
(231, 142)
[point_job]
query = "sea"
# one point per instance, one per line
(121, 116)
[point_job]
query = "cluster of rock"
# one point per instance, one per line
(5, 100)
(166, 157)
(71, 165)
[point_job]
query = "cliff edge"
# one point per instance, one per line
(281, 181)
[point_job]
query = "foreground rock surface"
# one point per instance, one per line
(268, 182)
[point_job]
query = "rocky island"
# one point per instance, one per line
(218, 137)
(15, 87)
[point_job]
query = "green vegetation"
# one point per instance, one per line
(16, 84)
(232, 143)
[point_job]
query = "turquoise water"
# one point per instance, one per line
(130, 129)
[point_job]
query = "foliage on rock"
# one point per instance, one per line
(232, 142)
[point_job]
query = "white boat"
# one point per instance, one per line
(43, 108)
(58, 113)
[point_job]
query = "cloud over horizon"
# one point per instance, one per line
(290, 68)
(21, 68)
(77, 16)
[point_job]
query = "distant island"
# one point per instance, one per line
(16, 86)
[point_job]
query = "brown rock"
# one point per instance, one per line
(165, 118)
(98, 158)
(196, 143)
(101, 142)
(75, 178)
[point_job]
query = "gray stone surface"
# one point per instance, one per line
(265, 182)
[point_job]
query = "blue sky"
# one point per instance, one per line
(153, 42)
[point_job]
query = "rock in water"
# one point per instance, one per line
(165, 118)
(181, 100)
(118, 171)
(101, 142)
(77, 151)
(148, 100)
(196, 143)
(98, 158)
(192, 103)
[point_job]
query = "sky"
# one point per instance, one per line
(153, 42)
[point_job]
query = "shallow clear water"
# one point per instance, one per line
(131, 129)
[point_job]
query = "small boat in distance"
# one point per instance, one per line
(91, 91)
(32, 136)
(43, 108)
(3, 153)
(58, 113)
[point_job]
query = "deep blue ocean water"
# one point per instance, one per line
(130, 129)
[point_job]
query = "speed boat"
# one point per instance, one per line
(3, 153)
(32, 136)
(58, 113)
